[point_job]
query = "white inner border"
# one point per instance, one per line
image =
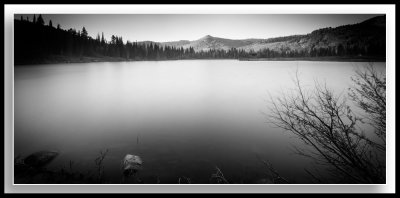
(10, 10)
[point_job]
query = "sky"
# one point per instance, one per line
(175, 27)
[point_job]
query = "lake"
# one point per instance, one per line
(183, 118)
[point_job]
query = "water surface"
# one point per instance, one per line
(182, 117)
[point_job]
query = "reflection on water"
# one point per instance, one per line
(182, 117)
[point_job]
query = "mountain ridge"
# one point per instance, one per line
(367, 34)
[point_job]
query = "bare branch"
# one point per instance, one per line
(324, 122)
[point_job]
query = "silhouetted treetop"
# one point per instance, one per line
(40, 20)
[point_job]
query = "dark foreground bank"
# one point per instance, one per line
(32, 170)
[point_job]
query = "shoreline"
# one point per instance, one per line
(325, 58)
(87, 59)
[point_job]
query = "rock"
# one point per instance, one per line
(40, 159)
(131, 164)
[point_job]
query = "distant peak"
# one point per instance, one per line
(207, 36)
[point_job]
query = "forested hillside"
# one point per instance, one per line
(362, 39)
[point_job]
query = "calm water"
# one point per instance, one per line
(182, 117)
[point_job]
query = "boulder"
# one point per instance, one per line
(131, 164)
(40, 159)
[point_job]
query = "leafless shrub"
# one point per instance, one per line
(218, 177)
(276, 177)
(328, 127)
(184, 180)
(99, 165)
(369, 93)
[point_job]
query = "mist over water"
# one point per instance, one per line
(182, 117)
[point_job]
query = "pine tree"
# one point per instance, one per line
(40, 20)
(84, 33)
(34, 19)
(103, 41)
(50, 23)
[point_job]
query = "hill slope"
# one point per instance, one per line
(367, 37)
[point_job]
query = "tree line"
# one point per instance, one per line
(34, 40)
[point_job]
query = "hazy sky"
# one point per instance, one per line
(173, 27)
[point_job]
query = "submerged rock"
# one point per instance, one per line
(131, 164)
(40, 159)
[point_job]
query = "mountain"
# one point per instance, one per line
(176, 43)
(367, 35)
(209, 42)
